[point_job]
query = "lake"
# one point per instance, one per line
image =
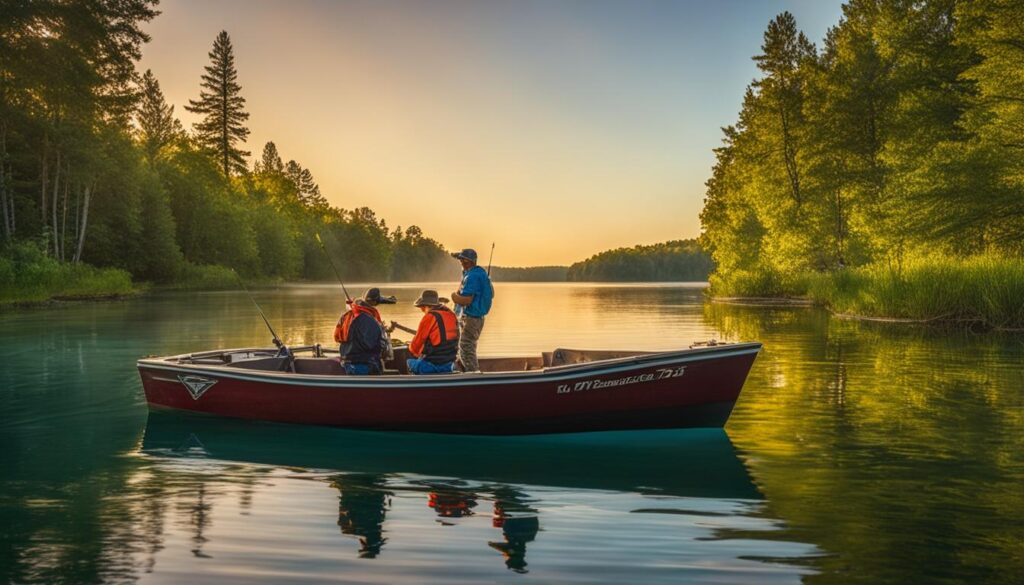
(857, 453)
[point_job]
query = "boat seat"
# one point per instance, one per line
(269, 364)
(319, 366)
(511, 364)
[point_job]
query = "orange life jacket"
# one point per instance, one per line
(341, 329)
(447, 347)
(437, 339)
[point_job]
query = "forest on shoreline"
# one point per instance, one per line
(103, 191)
(882, 173)
(101, 185)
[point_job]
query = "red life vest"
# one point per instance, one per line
(345, 323)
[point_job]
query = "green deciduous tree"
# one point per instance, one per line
(900, 136)
(676, 261)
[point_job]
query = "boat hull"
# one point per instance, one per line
(690, 388)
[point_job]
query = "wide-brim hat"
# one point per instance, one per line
(372, 296)
(429, 298)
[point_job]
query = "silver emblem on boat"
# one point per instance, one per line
(196, 385)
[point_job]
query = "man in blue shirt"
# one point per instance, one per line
(472, 303)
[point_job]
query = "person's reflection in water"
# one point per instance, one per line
(362, 505)
(452, 502)
(519, 525)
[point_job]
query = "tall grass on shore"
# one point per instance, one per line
(28, 275)
(195, 277)
(984, 290)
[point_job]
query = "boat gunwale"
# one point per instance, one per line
(548, 374)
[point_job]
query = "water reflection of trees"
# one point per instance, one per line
(899, 449)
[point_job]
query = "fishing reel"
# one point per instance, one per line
(282, 349)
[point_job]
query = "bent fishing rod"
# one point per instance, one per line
(282, 349)
(348, 297)
(489, 261)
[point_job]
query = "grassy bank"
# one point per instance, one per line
(28, 276)
(985, 291)
(195, 277)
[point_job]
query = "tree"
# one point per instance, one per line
(679, 260)
(785, 53)
(307, 189)
(157, 126)
(66, 80)
(991, 160)
(270, 161)
(222, 107)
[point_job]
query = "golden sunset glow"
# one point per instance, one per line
(554, 130)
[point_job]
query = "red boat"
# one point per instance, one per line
(562, 391)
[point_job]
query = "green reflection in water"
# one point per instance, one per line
(898, 450)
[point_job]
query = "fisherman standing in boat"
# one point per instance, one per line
(362, 335)
(473, 302)
(437, 338)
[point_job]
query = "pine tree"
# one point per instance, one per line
(293, 171)
(222, 108)
(270, 161)
(157, 126)
(307, 189)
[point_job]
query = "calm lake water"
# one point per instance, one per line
(857, 453)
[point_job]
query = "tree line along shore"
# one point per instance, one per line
(104, 193)
(881, 173)
(102, 188)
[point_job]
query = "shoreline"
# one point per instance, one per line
(758, 301)
(804, 302)
(985, 291)
(59, 300)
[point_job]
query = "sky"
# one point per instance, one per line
(554, 129)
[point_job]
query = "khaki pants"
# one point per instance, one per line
(469, 335)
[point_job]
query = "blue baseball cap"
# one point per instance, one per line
(467, 254)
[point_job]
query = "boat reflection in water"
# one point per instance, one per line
(462, 477)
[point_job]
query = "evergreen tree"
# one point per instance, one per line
(222, 108)
(270, 161)
(293, 171)
(307, 189)
(157, 126)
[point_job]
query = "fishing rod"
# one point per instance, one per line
(348, 297)
(277, 340)
(489, 261)
(389, 351)
(401, 327)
